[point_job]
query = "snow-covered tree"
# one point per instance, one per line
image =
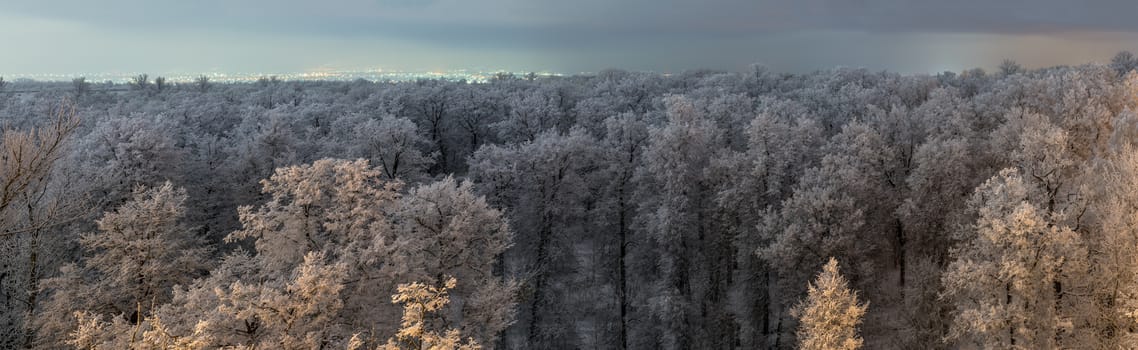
(626, 135)
(1124, 62)
(418, 300)
(782, 143)
(140, 251)
(332, 242)
(337, 207)
(1111, 236)
(1009, 278)
(429, 104)
(34, 203)
(530, 113)
(546, 185)
(297, 312)
(829, 317)
(127, 151)
(676, 211)
(394, 145)
(445, 229)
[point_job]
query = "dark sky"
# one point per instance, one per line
(190, 36)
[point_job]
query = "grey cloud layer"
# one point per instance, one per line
(529, 21)
(636, 34)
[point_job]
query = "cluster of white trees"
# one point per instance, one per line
(614, 210)
(329, 248)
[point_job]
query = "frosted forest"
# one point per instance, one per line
(840, 209)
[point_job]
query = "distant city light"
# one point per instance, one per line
(346, 75)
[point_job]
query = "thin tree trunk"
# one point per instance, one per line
(621, 273)
(900, 257)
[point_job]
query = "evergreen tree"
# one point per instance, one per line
(831, 313)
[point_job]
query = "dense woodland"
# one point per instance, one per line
(704, 210)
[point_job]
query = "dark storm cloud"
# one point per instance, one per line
(548, 22)
(658, 33)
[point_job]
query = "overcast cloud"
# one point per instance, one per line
(75, 36)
